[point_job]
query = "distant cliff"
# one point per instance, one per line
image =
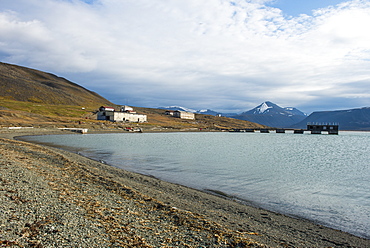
(29, 85)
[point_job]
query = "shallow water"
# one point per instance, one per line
(323, 178)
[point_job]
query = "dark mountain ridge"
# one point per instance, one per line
(30, 85)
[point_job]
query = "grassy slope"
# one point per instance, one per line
(25, 84)
(30, 97)
(18, 113)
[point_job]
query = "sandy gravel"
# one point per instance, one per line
(53, 198)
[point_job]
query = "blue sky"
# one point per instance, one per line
(297, 7)
(228, 56)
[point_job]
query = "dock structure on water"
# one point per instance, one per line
(313, 128)
(264, 131)
(318, 128)
(280, 130)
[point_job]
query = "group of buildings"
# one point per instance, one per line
(127, 114)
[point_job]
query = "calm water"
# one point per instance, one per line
(323, 178)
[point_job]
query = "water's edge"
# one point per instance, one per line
(206, 190)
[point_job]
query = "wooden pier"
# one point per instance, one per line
(313, 128)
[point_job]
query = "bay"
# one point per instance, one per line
(322, 178)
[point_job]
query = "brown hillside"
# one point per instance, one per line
(29, 85)
(30, 97)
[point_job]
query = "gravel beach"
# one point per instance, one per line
(53, 198)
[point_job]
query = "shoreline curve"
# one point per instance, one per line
(158, 212)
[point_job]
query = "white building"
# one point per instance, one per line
(184, 115)
(126, 114)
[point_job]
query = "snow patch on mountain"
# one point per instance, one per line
(179, 108)
(263, 108)
(202, 111)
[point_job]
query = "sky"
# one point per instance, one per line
(224, 55)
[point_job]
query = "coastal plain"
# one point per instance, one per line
(53, 198)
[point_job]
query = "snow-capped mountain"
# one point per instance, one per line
(270, 114)
(179, 108)
(202, 111)
(208, 112)
(268, 108)
(212, 112)
(263, 108)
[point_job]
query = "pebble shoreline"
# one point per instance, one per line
(53, 198)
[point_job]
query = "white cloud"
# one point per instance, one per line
(211, 53)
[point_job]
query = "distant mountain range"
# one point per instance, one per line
(29, 85)
(272, 115)
(350, 119)
(203, 111)
(174, 108)
(267, 113)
